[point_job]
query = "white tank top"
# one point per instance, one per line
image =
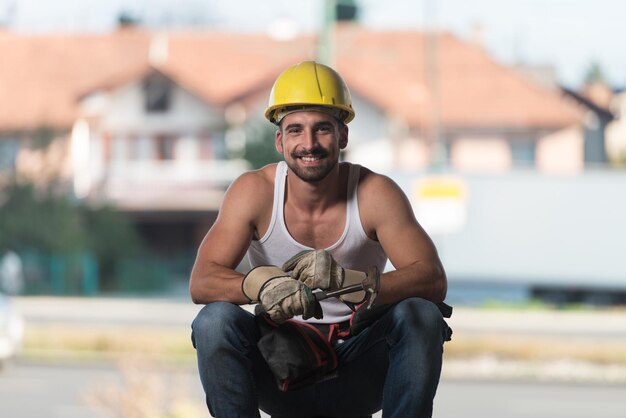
(354, 249)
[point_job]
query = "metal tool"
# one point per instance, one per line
(370, 285)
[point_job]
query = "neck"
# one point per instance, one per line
(315, 196)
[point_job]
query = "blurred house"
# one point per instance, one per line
(442, 92)
(616, 129)
(146, 120)
(596, 99)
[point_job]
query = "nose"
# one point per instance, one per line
(309, 139)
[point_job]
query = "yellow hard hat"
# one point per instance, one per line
(309, 84)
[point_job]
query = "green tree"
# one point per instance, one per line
(32, 219)
(46, 223)
(259, 149)
(595, 74)
(110, 236)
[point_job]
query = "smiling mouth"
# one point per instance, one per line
(311, 158)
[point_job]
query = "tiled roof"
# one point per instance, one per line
(42, 77)
(474, 91)
(220, 67)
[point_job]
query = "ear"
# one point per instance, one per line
(343, 136)
(278, 142)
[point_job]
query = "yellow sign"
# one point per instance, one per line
(444, 187)
(440, 203)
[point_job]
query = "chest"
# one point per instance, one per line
(316, 230)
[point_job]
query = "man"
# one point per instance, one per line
(355, 219)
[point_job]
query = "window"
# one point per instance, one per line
(157, 93)
(8, 153)
(205, 146)
(523, 153)
(165, 145)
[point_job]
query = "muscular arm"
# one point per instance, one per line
(213, 277)
(388, 216)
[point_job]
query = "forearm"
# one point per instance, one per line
(213, 282)
(416, 280)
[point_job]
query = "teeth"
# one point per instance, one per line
(310, 159)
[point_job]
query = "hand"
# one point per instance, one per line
(318, 269)
(281, 296)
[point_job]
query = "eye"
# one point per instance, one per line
(293, 130)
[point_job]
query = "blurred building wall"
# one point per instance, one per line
(532, 228)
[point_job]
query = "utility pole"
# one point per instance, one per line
(334, 11)
(439, 153)
(325, 52)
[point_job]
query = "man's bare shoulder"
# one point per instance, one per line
(252, 189)
(378, 195)
(372, 183)
(262, 178)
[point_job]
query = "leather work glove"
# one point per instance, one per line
(318, 270)
(280, 296)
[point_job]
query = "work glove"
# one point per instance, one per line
(318, 270)
(280, 296)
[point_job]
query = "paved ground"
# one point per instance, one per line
(103, 389)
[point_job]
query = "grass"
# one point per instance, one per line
(536, 348)
(174, 345)
(87, 343)
(540, 305)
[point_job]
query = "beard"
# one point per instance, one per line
(311, 174)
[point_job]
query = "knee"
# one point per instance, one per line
(418, 315)
(216, 314)
(220, 320)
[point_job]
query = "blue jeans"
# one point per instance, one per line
(394, 364)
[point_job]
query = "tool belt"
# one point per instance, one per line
(299, 353)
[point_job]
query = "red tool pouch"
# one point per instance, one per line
(300, 354)
(297, 353)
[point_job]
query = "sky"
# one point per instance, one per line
(569, 35)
